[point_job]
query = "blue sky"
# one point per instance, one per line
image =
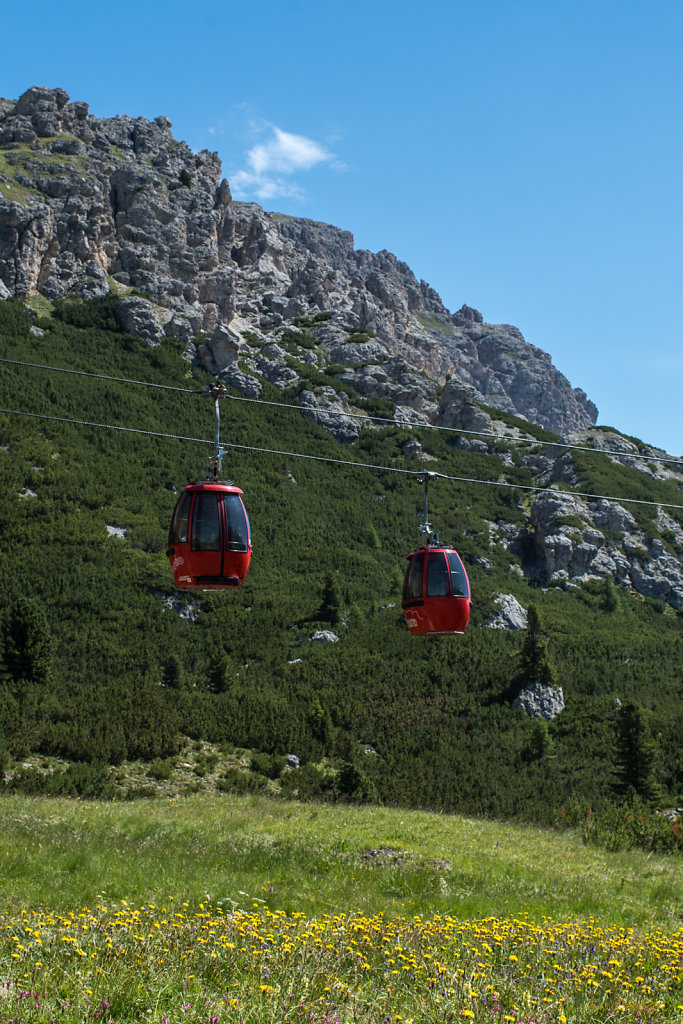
(523, 157)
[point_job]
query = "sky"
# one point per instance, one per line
(524, 157)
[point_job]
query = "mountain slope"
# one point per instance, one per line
(133, 666)
(89, 205)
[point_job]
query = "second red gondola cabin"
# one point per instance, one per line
(436, 592)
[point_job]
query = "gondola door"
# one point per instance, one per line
(206, 534)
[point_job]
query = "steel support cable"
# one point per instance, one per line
(340, 462)
(104, 426)
(100, 376)
(457, 430)
(508, 438)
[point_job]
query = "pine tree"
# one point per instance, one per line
(541, 743)
(609, 598)
(28, 642)
(221, 674)
(174, 674)
(536, 666)
(636, 753)
(332, 601)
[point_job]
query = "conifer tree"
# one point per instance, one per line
(636, 752)
(28, 642)
(610, 598)
(332, 601)
(541, 743)
(536, 665)
(174, 674)
(221, 674)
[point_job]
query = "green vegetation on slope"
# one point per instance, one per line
(128, 677)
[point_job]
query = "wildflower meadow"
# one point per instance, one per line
(106, 916)
(176, 963)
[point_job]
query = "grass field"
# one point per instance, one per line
(245, 909)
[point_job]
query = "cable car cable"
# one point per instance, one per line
(100, 376)
(508, 438)
(105, 426)
(341, 462)
(458, 430)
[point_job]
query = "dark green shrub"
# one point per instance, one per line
(270, 765)
(308, 783)
(304, 339)
(381, 407)
(29, 642)
(237, 781)
(88, 781)
(633, 824)
(97, 312)
(161, 769)
(14, 319)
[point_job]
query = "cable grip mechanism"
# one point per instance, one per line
(427, 535)
(216, 391)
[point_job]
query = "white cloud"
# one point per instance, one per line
(269, 164)
(246, 185)
(286, 153)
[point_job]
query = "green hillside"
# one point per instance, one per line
(98, 670)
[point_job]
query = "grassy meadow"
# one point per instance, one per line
(229, 908)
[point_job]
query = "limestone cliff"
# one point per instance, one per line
(90, 203)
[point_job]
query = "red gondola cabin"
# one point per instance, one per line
(436, 592)
(209, 543)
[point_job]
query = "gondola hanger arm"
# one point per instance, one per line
(216, 391)
(427, 535)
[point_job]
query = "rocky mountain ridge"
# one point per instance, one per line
(91, 205)
(87, 203)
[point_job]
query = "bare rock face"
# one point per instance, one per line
(87, 198)
(324, 636)
(575, 540)
(138, 316)
(567, 544)
(458, 408)
(540, 701)
(511, 615)
(88, 203)
(330, 410)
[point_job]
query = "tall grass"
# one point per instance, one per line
(318, 858)
(246, 909)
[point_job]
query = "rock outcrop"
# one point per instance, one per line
(540, 701)
(88, 204)
(573, 540)
(510, 614)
